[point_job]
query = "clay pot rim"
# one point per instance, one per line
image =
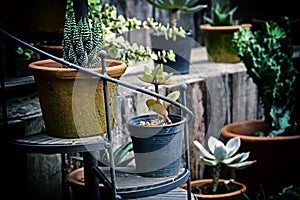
(216, 196)
(74, 177)
(226, 131)
(115, 68)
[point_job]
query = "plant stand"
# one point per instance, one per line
(121, 186)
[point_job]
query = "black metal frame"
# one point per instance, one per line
(92, 178)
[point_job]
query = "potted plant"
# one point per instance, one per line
(72, 102)
(183, 38)
(218, 156)
(154, 136)
(267, 55)
(218, 33)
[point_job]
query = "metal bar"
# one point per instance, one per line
(90, 180)
(2, 91)
(186, 142)
(103, 55)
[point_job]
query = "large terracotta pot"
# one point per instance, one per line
(218, 42)
(72, 102)
(233, 195)
(275, 167)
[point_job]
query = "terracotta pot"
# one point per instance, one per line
(72, 102)
(275, 167)
(234, 195)
(75, 180)
(218, 42)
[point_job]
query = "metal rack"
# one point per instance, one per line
(109, 176)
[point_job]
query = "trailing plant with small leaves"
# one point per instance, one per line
(221, 15)
(158, 77)
(219, 154)
(118, 47)
(267, 55)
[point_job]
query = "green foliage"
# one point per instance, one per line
(177, 5)
(82, 41)
(158, 77)
(221, 15)
(119, 154)
(267, 55)
(291, 192)
(113, 27)
(183, 5)
(219, 153)
(24, 51)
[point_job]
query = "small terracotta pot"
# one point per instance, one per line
(75, 180)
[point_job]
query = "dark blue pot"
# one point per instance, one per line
(157, 149)
(182, 49)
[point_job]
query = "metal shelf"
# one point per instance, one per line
(121, 187)
(130, 185)
(42, 143)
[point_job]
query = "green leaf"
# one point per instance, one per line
(237, 158)
(202, 151)
(241, 165)
(173, 96)
(220, 152)
(213, 142)
(121, 152)
(156, 107)
(209, 162)
(233, 145)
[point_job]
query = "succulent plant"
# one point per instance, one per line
(158, 77)
(111, 28)
(81, 43)
(219, 154)
(267, 55)
(176, 5)
(221, 15)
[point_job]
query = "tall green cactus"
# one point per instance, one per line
(267, 55)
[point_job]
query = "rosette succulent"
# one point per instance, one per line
(219, 154)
